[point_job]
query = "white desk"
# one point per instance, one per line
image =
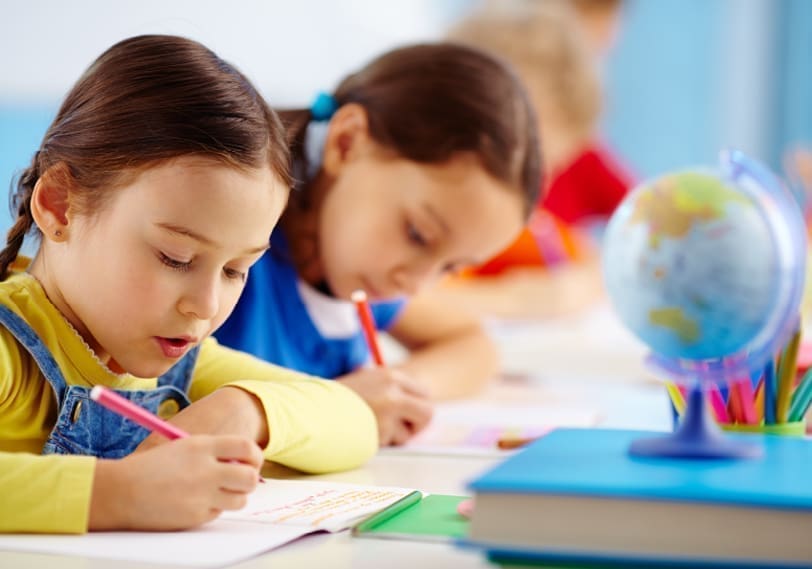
(610, 379)
(431, 474)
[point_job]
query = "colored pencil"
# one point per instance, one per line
(758, 401)
(507, 443)
(676, 396)
(359, 297)
(769, 393)
(717, 403)
(786, 377)
(747, 399)
(734, 403)
(126, 408)
(802, 398)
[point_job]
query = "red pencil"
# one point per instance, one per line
(359, 297)
(126, 408)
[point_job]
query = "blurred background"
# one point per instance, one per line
(682, 79)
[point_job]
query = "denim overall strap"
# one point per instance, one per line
(26, 336)
(83, 426)
(180, 374)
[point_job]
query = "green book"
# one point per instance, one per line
(430, 518)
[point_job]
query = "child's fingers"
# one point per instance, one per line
(237, 477)
(401, 433)
(228, 500)
(416, 412)
(238, 449)
(411, 387)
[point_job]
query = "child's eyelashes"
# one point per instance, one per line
(174, 264)
(415, 236)
(453, 269)
(234, 274)
(184, 266)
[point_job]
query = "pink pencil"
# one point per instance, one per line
(126, 408)
(359, 297)
(747, 398)
(718, 404)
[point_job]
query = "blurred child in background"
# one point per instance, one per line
(422, 162)
(552, 269)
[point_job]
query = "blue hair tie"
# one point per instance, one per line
(323, 107)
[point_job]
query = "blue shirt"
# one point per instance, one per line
(285, 321)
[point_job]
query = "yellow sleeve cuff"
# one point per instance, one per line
(315, 425)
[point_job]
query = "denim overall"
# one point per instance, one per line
(85, 427)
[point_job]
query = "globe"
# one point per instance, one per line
(706, 266)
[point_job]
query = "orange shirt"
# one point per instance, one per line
(545, 241)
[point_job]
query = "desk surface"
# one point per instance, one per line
(625, 398)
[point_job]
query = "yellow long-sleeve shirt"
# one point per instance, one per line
(315, 425)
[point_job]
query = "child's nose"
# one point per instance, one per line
(405, 283)
(201, 301)
(410, 279)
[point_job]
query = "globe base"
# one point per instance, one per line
(696, 437)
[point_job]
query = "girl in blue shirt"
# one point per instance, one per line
(421, 163)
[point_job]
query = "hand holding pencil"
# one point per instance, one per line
(126, 408)
(171, 487)
(401, 405)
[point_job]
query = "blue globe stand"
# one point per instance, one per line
(696, 437)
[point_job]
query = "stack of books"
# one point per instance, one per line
(576, 496)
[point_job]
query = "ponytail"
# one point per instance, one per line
(295, 122)
(20, 205)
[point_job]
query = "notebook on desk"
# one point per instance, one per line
(277, 512)
(577, 496)
(474, 428)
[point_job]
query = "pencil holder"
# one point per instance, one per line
(792, 429)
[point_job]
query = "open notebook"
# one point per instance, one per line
(277, 512)
(474, 428)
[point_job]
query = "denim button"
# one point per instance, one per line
(168, 409)
(77, 410)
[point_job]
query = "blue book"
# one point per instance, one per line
(576, 496)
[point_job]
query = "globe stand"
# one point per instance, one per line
(696, 437)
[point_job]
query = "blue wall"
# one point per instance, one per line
(21, 131)
(689, 77)
(793, 117)
(663, 85)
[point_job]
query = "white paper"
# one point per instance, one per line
(329, 506)
(473, 428)
(277, 512)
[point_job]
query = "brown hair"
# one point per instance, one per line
(146, 100)
(428, 102)
(548, 47)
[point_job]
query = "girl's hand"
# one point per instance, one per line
(401, 406)
(226, 411)
(174, 486)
